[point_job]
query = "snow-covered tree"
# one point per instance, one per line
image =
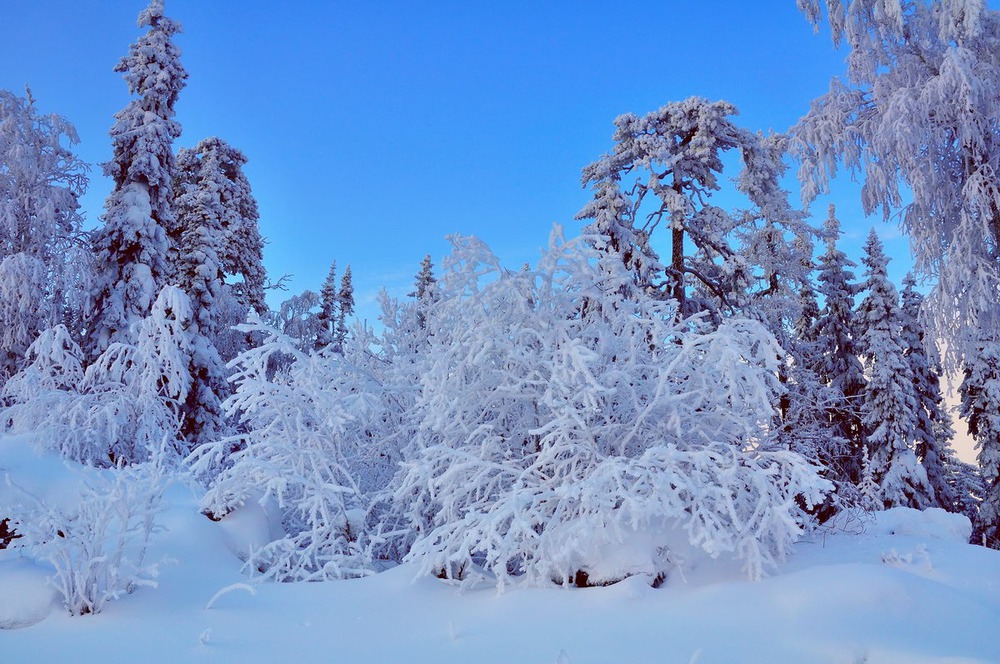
(675, 154)
(933, 433)
(127, 403)
(209, 191)
(837, 360)
(96, 534)
(889, 402)
(806, 424)
(423, 282)
(131, 248)
(328, 302)
(919, 107)
(42, 266)
(213, 168)
(345, 307)
(298, 318)
(980, 391)
(559, 424)
(310, 443)
(424, 287)
(672, 159)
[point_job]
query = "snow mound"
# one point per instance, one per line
(251, 526)
(933, 523)
(28, 597)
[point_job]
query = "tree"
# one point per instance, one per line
(919, 106)
(980, 391)
(42, 267)
(837, 362)
(310, 439)
(131, 248)
(675, 155)
(345, 307)
(296, 317)
(551, 432)
(933, 433)
(211, 195)
(328, 305)
(424, 289)
(215, 168)
(125, 406)
(889, 401)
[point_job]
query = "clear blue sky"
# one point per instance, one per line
(374, 129)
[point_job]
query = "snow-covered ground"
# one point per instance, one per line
(900, 586)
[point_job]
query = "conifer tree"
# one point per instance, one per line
(329, 305)
(131, 248)
(933, 432)
(200, 243)
(673, 158)
(423, 289)
(889, 402)
(214, 203)
(837, 359)
(980, 391)
(345, 307)
(424, 281)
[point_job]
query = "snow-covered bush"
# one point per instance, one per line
(125, 402)
(309, 442)
(95, 536)
(560, 422)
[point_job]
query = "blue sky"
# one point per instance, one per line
(374, 129)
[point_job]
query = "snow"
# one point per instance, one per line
(893, 587)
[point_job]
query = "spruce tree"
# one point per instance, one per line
(131, 248)
(199, 246)
(328, 307)
(424, 281)
(980, 391)
(933, 432)
(214, 203)
(423, 289)
(345, 307)
(889, 401)
(837, 359)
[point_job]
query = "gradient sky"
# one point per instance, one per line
(374, 129)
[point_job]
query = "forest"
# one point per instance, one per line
(610, 411)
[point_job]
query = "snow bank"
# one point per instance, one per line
(931, 523)
(838, 599)
(28, 597)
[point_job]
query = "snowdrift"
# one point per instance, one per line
(897, 586)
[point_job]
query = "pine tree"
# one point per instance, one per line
(933, 433)
(131, 248)
(980, 391)
(837, 359)
(345, 307)
(673, 159)
(329, 306)
(889, 402)
(680, 148)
